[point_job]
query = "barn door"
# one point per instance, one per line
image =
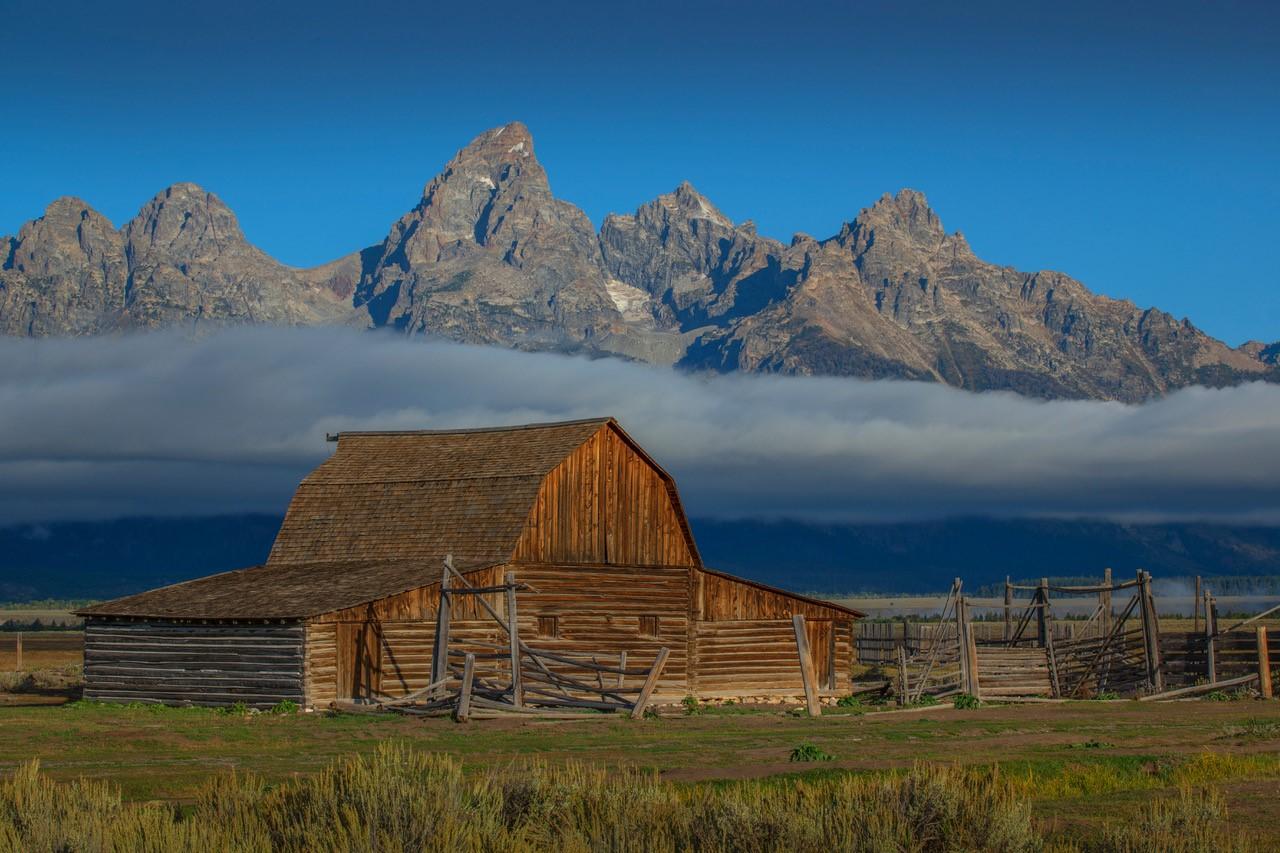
(822, 647)
(359, 660)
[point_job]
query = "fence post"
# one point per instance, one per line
(440, 656)
(1264, 664)
(1195, 606)
(972, 653)
(1150, 631)
(517, 683)
(1155, 637)
(1146, 625)
(1104, 601)
(1042, 614)
(1008, 609)
(904, 684)
(18, 648)
(1210, 644)
(964, 631)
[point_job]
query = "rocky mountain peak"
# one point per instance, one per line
(907, 214)
(490, 254)
(184, 220)
(895, 226)
(496, 160)
(692, 204)
(67, 206)
(487, 183)
(69, 235)
(511, 143)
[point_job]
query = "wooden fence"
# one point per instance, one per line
(877, 642)
(1117, 650)
(1235, 654)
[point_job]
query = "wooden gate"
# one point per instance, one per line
(359, 660)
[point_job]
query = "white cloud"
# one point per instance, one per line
(159, 424)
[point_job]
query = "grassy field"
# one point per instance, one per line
(1078, 764)
(1079, 767)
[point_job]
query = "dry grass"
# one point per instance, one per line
(401, 799)
(63, 681)
(1187, 823)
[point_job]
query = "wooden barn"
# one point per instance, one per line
(345, 608)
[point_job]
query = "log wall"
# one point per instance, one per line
(598, 609)
(759, 656)
(190, 663)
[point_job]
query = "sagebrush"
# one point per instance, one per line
(399, 799)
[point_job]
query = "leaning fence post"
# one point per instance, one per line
(650, 682)
(18, 648)
(1264, 664)
(468, 678)
(1042, 615)
(807, 674)
(1104, 602)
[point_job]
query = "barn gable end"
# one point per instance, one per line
(607, 502)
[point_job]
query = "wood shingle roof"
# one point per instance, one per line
(287, 591)
(421, 495)
(378, 517)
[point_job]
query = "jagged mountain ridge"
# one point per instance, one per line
(182, 260)
(490, 256)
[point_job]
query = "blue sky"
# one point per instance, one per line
(1134, 146)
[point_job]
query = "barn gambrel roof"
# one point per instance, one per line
(378, 517)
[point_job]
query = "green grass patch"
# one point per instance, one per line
(809, 752)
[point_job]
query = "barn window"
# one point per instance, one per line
(548, 626)
(648, 626)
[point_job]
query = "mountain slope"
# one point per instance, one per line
(490, 256)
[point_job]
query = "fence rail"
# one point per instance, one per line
(877, 642)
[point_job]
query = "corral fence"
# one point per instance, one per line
(1118, 650)
(878, 642)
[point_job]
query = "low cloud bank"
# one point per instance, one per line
(159, 424)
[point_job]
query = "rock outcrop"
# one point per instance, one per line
(490, 256)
